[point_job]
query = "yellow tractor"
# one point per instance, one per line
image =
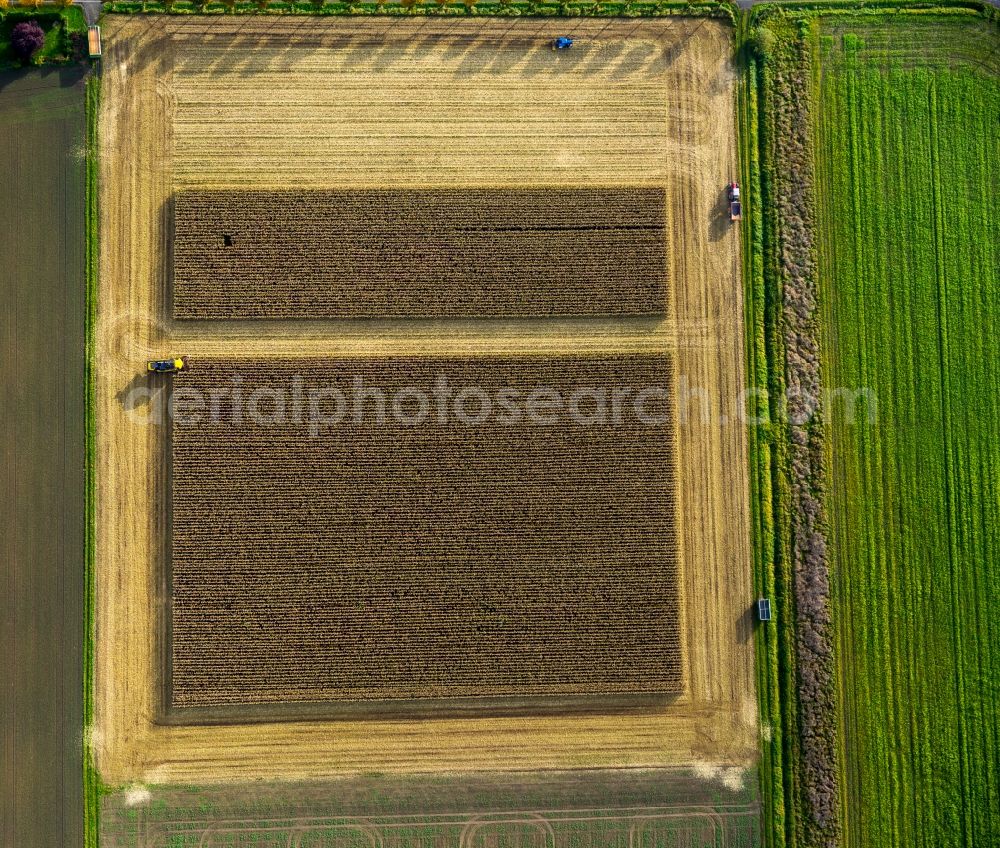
(167, 366)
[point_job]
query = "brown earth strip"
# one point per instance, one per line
(42, 133)
(366, 546)
(412, 253)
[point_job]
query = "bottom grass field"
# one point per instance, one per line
(910, 233)
(605, 809)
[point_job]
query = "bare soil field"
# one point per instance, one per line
(370, 548)
(419, 253)
(330, 104)
(42, 289)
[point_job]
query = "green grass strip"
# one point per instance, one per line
(772, 782)
(91, 779)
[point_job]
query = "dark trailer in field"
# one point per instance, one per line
(764, 609)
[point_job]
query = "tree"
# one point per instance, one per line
(762, 42)
(26, 39)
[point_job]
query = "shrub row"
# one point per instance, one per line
(792, 262)
(535, 8)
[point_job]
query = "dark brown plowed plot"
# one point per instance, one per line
(476, 253)
(319, 555)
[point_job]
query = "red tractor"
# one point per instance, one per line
(735, 207)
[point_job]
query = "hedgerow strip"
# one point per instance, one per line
(781, 510)
(802, 587)
(513, 8)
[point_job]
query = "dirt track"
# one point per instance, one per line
(642, 103)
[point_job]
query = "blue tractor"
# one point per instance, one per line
(563, 42)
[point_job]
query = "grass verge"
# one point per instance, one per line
(91, 778)
(768, 519)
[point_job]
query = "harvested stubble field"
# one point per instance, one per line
(236, 103)
(419, 253)
(430, 103)
(424, 555)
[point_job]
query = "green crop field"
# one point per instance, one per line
(909, 233)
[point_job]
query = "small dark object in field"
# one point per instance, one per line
(27, 39)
